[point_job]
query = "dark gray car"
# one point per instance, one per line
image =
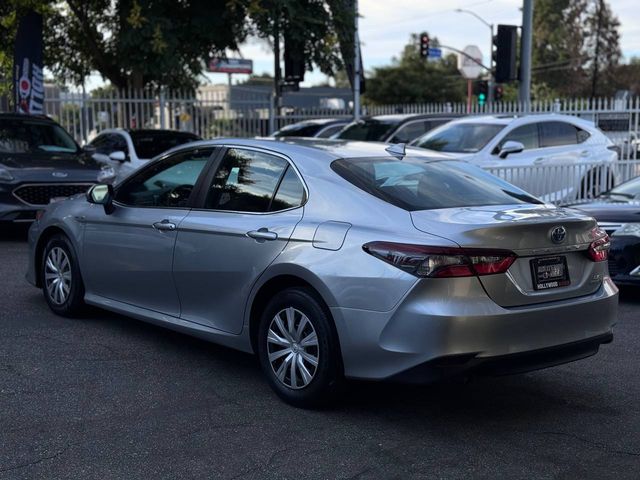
(39, 163)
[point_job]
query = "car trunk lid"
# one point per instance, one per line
(526, 230)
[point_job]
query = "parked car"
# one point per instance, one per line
(334, 259)
(39, 163)
(400, 128)
(618, 212)
(556, 157)
(127, 150)
(319, 128)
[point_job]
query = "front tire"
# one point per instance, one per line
(60, 277)
(298, 349)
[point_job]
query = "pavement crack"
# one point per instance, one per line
(39, 460)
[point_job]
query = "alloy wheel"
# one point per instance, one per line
(292, 347)
(57, 275)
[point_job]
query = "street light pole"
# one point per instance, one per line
(356, 65)
(490, 25)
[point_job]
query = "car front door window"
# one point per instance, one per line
(167, 183)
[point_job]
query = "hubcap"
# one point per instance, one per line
(292, 346)
(57, 275)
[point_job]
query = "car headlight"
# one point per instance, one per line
(628, 230)
(5, 174)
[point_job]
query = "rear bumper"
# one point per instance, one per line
(454, 321)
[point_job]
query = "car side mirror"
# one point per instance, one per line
(118, 156)
(509, 148)
(102, 194)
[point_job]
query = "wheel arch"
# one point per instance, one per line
(279, 279)
(41, 243)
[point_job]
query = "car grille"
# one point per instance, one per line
(41, 194)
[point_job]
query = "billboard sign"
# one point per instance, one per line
(230, 65)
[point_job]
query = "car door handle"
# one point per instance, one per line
(262, 234)
(164, 225)
(584, 153)
(538, 160)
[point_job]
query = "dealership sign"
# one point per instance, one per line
(28, 78)
(231, 65)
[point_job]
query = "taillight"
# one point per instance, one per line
(438, 262)
(599, 249)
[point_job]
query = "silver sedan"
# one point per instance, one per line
(334, 260)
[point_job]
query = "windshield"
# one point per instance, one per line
(298, 130)
(459, 137)
(371, 130)
(630, 190)
(151, 144)
(416, 184)
(33, 136)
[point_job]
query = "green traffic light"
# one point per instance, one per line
(481, 98)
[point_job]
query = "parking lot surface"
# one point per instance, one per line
(110, 397)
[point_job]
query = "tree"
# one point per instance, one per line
(558, 44)
(140, 43)
(412, 79)
(602, 47)
(576, 47)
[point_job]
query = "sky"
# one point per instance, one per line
(385, 28)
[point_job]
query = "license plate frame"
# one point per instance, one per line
(549, 272)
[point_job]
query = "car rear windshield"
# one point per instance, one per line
(150, 144)
(299, 130)
(418, 184)
(33, 136)
(459, 138)
(371, 130)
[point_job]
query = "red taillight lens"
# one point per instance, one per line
(438, 262)
(599, 249)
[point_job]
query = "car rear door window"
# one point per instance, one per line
(408, 132)
(327, 132)
(246, 181)
(290, 193)
(555, 134)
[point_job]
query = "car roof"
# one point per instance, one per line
(317, 121)
(318, 150)
(26, 116)
(402, 117)
(523, 119)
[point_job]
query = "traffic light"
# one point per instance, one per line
(424, 45)
(480, 90)
(294, 60)
(498, 92)
(504, 55)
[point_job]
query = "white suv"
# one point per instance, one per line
(556, 157)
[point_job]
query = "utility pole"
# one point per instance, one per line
(525, 54)
(277, 73)
(356, 65)
(594, 79)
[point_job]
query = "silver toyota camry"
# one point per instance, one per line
(334, 260)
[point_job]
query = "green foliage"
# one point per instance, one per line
(412, 79)
(141, 43)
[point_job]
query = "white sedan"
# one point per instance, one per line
(127, 150)
(556, 157)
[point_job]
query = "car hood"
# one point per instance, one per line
(51, 167)
(611, 211)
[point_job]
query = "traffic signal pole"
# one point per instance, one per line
(356, 65)
(524, 95)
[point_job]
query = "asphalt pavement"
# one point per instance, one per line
(108, 397)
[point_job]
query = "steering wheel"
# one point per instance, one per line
(178, 196)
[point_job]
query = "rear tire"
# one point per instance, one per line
(60, 277)
(298, 349)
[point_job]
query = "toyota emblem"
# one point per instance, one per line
(558, 234)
